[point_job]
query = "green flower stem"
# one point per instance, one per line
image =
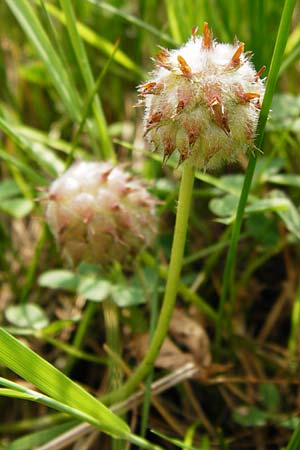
(112, 331)
(186, 293)
(183, 209)
(227, 296)
(83, 326)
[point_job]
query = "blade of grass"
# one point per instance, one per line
(149, 380)
(31, 174)
(227, 296)
(30, 366)
(92, 38)
(294, 442)
(106, 150)
(80, 334)
(88, 106)
(174, 20)
(294, 333)
(134, 20)
(36, 152)
(61, 392)
(174, 270)
(31, 25)
(37, 438)
(33, 266)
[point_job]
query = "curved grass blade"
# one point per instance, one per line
(88, 106)
(107, 150)
(35, 151)
(61, 392)
(134, 20)
(228, 282)
(38, 438)
(31, 25)
(31, 174)
(30, 366)
(92, 38)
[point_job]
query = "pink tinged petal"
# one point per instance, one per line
(182, 144)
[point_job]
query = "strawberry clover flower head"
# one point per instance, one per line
(203, 100)
(99, 213)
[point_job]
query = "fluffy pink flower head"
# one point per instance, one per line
(99, 213)
(203, 100)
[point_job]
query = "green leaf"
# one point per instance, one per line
(290, 215)
(87, 75)
(291, 423)
(30, 366)
(26, 316)
(285, 113)
(33, 440)
(124, 296)
(17, 207)
(8, 189)
(92, 38)
(270, 396)
(30, 173)
(224, 206)
(37, 152)
(94, 289)
(59, 279)
(274, 203)
(250, 416)
(31, 25)
(285, 180)
(175, 442)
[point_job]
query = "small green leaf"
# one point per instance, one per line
(124, 296)
(59, 279)
(285, 113)
(291, 423)
(290, 215)
(250, 416)
(8, 189)
(224, 206)
(17, 207)
(270, 396)
(273, 203)
(233, 181)
(26, 316)
(94, 289)
(285, 180)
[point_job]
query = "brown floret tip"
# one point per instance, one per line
(207, 38)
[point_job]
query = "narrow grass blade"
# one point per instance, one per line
(174, 20)
(30, 366)
(35, 439)
(99, 42)
(107, 150)
(31, 25)
(31, 174)
(15, 390)
(87, 106)
(228, 284)
(294, 442)
(36, 152)
(134, 20)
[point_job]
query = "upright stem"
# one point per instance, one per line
(183, 209)
(228, 279)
